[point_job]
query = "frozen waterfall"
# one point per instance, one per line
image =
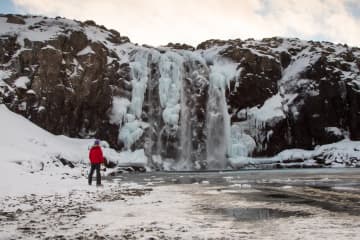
(178, 109)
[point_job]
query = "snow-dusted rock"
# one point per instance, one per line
(179, 102)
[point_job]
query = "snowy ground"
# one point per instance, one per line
(315, 204)
(57, 216)
(40, 198)
(301, 204)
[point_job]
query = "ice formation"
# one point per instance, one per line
(139, 76)
(171, 74)
(119, 110)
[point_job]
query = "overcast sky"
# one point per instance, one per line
(157, 22)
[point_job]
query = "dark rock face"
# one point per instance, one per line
(286, 93)
(180, 46)
(71, 93)
(327, 108)
(8, 48)
(258, 79)
(15, 19)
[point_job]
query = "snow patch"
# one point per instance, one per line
(334, 130)
(4, 74)
(22, 82)
(87, 50)
(271, 111)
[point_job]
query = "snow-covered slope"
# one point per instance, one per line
(30, 157)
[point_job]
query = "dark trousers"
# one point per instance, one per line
(98, 176)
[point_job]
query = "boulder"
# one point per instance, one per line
(15, 19)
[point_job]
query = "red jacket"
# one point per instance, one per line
(96, 155)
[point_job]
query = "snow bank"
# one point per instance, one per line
(29, 155)
(344, 153)
(271, 111)
(22, 140)
(30, 158)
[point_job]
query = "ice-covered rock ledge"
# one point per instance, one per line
(344, 153)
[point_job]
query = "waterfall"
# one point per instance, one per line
(169, 91)
(218, 124)
(218, 127)
(178, 108)
(186, 136)
(193, 89)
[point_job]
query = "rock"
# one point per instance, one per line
(8, 47)
(90, 23)
(65, 162)
(15, 19)
(253, 88)
(116, 38)
(78, 41)
(285, 59)
(180, 46)
(110, 164)
(210, 43)
(353, 98)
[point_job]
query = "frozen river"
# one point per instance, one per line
(271, 204)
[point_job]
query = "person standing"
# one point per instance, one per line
(96, 158)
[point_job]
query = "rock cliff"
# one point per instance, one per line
(186, 107)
